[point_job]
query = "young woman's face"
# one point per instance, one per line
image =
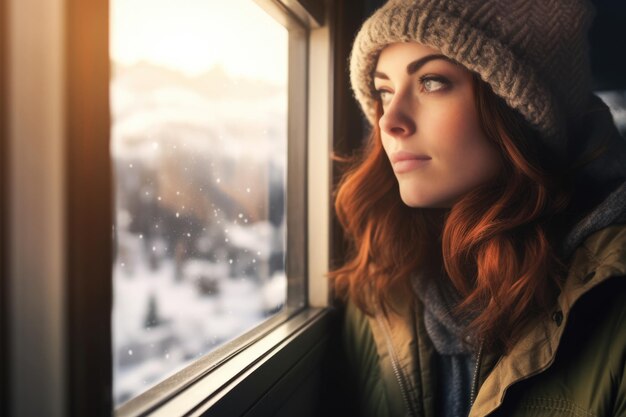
(429, 127)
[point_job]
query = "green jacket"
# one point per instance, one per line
(569, 364)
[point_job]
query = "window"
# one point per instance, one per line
(199, 146)
(616, 100)
(61, 257)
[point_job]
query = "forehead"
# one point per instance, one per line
(402, 57)
(402, 53)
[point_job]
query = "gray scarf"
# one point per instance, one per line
(454, 360)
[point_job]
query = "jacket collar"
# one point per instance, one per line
(396, 343)
(602, 256)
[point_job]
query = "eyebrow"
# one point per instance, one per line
(415, 65)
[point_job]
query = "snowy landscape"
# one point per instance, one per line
(199, 242)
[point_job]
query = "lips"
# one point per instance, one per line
(403, 161)
(404, 156)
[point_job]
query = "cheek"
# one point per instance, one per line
(454, 121)
(457, 130)
(462, 145)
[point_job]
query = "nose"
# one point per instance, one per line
(397, 119)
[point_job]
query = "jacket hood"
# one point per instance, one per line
(599, 186)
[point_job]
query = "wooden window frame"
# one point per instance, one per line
(4, 272)
(89, 208)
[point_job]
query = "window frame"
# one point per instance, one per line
(278, 342)
(4, 271)
(59, 284)
(89, 209)
(238, 382)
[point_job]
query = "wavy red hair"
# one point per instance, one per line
(494, 245)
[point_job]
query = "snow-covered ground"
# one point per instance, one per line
(161, 324)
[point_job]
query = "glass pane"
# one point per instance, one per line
(199, 145)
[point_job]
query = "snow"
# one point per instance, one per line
(189, 324)
(197, 258)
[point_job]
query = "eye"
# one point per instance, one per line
(383, 95)
(432, 84)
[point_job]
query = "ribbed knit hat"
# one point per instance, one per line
(533, 53)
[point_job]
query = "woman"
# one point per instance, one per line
(486, 216)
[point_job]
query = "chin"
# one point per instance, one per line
(421, 201)
(414, 202)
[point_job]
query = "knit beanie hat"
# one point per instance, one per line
(533, 53)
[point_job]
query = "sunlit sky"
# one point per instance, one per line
(194, 35)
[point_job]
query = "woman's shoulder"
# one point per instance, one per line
(595, 294)
(595, 288)
(608, 241)
(362, 360)
(357, 332)
(600, 258)
(592, 348)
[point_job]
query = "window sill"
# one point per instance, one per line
(238, 383)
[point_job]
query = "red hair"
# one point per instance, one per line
(494, 243)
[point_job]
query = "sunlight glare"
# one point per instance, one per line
(192, 36)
